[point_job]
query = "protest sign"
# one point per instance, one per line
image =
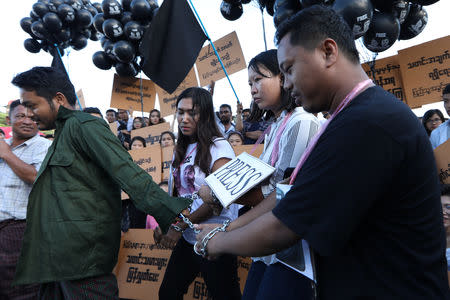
(151, 134)
(238, 150)
(386, 73)
(230, 51)
(442, 155)
(237, 176)
(425, 71)
(167, 155)
(126, 94)
(141, 265)
(167, 102)
(81, 99)
(149, 159)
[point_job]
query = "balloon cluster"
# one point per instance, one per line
(123, 25)
(380, 23)
(61, 23)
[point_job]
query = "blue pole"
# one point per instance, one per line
(59, 53)
(214, 48)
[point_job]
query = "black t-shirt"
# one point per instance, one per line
(367, 200)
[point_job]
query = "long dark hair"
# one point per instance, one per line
(428, 116)
(206, 129)
(161, 120)
(268, 59)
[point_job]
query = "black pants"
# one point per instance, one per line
(184, 265)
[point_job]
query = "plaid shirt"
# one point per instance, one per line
(13, 190)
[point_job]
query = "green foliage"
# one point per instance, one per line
(3, 119)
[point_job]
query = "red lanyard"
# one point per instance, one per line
(358, 88)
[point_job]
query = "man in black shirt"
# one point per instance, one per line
(367, 198)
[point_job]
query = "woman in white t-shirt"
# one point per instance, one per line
(200, 150)
(291, 131)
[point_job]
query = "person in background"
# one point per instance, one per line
(93, 111)
(146, 121)
(253, 126)
(137, 142)
(224, 122)
(445, 200)
(432, 119)
(72, 238)
(20, 159)
(2, 134)
(167, 139)
(200, 150)
(235, 138)
(245, 114)
(138, 123)
(124, 117)
(155, 117)
(441, 134)
(111, 115)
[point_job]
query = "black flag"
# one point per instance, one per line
(171, 45)
(57, 62)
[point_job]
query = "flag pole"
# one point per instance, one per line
(60, 57)
(214, 48)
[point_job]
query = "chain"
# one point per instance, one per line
(185, 219)
(204, 243)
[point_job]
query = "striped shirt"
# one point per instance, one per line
(299, 130)
(13, 190)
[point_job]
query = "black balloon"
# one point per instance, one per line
(34, 16)
(112, 29)
(133, 31)
(98, 6)
(124, 51)
(75, 4)
(400, 9)
(357, 13)
(31, 45)
(95, 35)
(126, 17)
(246, 1)
(153, 4)
(63, 35)
(78, 42)
(98, 22)
(140, 9)
(126, 70)
(92, 10)
(112, 9)
(66, 13)
(25, 23)
(307, 3)
(282, 14)
(231, 12)
(108, 47)
(424, 2)
(83, 18)
(415, 22)
(103, 41)
(126, 4)
(101, 60)
(40, 9)
(86, 33)
(38, 29)
(270, 7)
(56, 3)
(52, 22)
(383, 32)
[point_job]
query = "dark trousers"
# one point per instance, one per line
(275, 282)
(103, 287)
(11, 236)
(184, 265)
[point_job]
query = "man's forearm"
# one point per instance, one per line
(263, 236)
(23, 170)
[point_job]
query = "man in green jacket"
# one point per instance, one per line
(72, 238)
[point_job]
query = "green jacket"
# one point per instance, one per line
(74, 208)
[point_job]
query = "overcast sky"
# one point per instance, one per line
(96, 84)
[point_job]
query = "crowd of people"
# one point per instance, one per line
(364, 188)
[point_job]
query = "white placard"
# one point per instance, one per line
(237, 177)
(299, 257)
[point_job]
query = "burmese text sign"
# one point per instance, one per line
(126, 93)
(151, 134)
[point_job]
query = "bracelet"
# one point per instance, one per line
(215, 199)
(177, 228)
(204, 243)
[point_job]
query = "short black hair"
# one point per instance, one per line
(169, 133)
(446, 89)
(46, 82)
(1, 131)
(138, 138)
(13, 105)
(111, 110)
(312, 25)
(227, 106)
(92, 110)
(246, 110)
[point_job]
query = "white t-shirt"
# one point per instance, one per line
(192, 178)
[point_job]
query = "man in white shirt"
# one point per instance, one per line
(20, 159)
(441, 134)
(224, 122)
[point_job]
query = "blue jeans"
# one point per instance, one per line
(276, 282)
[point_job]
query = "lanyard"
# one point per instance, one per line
(358, 88)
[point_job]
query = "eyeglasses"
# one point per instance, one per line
(437, 120)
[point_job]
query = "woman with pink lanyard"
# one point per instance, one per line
(285, 141)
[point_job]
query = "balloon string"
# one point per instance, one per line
(141, 94)
(263, 26)
(214, 48)
(65, 70)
